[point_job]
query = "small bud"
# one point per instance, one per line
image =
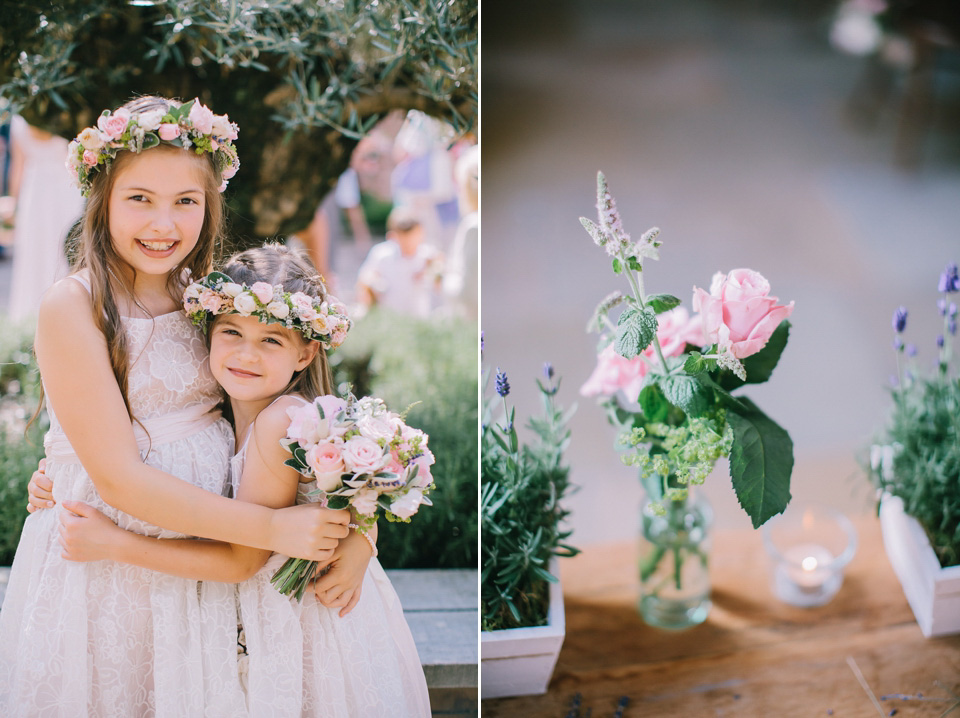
(900, 319)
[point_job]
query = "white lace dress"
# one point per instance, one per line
(306, 662)
(106, 639)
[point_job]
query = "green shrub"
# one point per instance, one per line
(402, 361)
(520, 511)
(20, 449)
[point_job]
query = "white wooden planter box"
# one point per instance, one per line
(932, 592)
(520, 661)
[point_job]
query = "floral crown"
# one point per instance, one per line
(324, 320)
(190, 126)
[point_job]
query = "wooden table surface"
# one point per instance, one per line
(754, 656)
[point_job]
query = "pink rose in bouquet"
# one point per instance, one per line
(739, 315)
(326, 460)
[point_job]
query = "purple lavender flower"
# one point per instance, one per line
(900, 319)
(940, 340)
(911, 350)
(949, 279)
(548, 371)
(942, 306)
(503, 386)
(952, 327)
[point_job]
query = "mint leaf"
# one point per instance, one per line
(653, 403)
(761, 462)
(686, 393)
(636, 328)
(661, 303)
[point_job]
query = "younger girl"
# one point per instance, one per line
(304, 660)
(134, 432)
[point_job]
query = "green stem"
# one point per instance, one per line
(636, 283)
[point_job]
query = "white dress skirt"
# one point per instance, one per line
(305, 661)
(109, 639)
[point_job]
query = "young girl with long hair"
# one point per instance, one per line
(135, 433)
(305, 660)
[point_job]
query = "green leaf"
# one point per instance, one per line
(661, 303)
(636, 328)
(760, 463)
(617, 266)
(634, 264)
(695, 364)
(338, 502)
(686, 393)
(653, 403)
(760, 366)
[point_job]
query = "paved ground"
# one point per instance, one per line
(722, 123)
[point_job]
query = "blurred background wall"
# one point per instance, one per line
(751, 140)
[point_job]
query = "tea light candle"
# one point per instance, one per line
(804, 569)
(809, 550)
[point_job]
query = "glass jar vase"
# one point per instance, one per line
(674, 570)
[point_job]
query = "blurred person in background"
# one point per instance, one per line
(402, 274)
(47, 205)
(461, 285)
(423, 176)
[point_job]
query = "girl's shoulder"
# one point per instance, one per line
(274, 419)
(70, 295)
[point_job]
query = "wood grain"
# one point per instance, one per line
(755, 656)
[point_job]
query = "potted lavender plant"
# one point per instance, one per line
(522, 534)
(916, 466)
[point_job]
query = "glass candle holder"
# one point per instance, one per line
(809, 546)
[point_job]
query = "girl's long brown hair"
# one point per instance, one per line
(109, 275)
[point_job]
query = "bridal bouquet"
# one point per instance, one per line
(667, 378)
(362, 457)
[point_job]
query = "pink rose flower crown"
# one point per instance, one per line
(666, 377)
(323, 321)
(192, 126)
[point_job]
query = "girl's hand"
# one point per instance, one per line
(40, 489)
(340, 586)
(86, 534)
(308, 531)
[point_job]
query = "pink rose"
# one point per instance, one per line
(89, 158)
(228, 172)
(210, 301)
(169, 131)
(738, 313)
(407, 505)
(363, 456)
(112, 126)
(365, 501)
(613, 373)
(201, 118)
(326, 460)
(263, 292)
